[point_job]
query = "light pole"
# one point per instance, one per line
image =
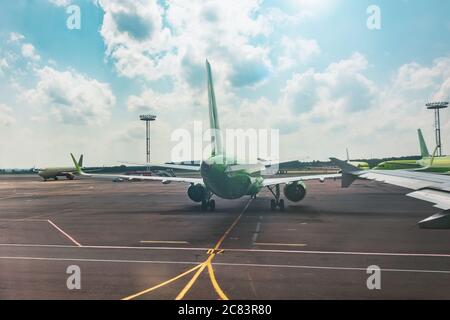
(147, 118)
(436, 106)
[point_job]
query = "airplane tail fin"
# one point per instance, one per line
(77, 165)
(348, 157)
(423, 146)
(80, 162)
(216, 138)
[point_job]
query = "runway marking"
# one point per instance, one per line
(194, 278)
(23, 220)
(280, 244)
(10, 197)
(161, 284)
(64, 233)
(425, 255)
(212, 253)
(327, 268)
(215, 284)
(257, 230)
(206, 264)
(162, 241)
(100, 260)
(364, 269)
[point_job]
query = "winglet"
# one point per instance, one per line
(77, 166)
(349, 172)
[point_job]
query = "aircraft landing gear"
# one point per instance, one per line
(208, 205)
(277, 202)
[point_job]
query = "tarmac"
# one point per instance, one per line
(146, 240)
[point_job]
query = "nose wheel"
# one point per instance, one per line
(208, 205)
(277, 202)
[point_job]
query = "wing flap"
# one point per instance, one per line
(441, 199)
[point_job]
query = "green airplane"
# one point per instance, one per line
(428, 163)
(358, 164)
(223, 176)
(54, 173)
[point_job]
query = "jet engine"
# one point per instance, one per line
(197, 192)
(295, 191)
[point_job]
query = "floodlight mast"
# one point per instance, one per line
(436, 106)
(147, 118)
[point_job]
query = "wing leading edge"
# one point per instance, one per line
(136, 177)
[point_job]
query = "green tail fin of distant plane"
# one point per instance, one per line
(77, 166)
(216, 138)
(423, 146)
(80, 162)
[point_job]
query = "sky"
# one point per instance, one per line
(316, 70)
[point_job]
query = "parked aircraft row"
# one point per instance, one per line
(223, 177)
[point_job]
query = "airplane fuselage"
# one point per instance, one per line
(228, 184)
(52, 173)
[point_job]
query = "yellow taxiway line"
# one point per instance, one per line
(162, 284)
(201, 267)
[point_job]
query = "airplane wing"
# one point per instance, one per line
(434, 188)
(166, 166)
(284, 180)
(137, 177)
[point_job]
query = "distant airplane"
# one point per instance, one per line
(359, 164)
(224, 177)
(428, 163)
(54, 173)
(429, 187)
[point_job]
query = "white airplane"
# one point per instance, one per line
(224, 177)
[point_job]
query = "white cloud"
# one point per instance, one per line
(29, 52)
(296, 50)
(3, 65)
(15, 37)
(61, 3)
(141, 45)
(342, 87)
(415, 77)
(6, 116)
(70, 97)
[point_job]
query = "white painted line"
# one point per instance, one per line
(280, 244)
(426, 255)
(100, 247)
(10, 197)
(324, 268)
(258, 229)
(224, 264)
(162, 241)
(64, 233)
(23, 220)
(99, 260)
